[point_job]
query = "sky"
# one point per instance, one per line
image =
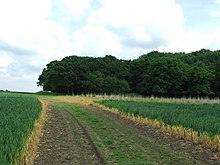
(36, 32)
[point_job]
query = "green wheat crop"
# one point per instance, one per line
(199, 117)
(18, 114)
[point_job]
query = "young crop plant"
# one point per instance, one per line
(18, 113)
(197, 122)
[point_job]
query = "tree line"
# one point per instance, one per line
(156, 73)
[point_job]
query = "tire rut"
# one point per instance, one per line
(168, 144)
(65, 141)
(88, 141)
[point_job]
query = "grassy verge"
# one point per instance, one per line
(29, 153)
(197, 122)
(182, 100)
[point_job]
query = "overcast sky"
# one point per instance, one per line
(35, 32)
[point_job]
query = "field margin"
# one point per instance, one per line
(29, 152)
(176, 131)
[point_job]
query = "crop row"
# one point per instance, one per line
(18, 114)
(198, 117)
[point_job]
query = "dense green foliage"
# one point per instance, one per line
(86, 75)
(175, 74)
(17, 116)
(162, 74)
(199, 117)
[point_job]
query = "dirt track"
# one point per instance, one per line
(66, 141)
(162, 143)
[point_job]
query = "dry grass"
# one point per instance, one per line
(74, 99)
(32, 141)
(177, 131)
(156, 99)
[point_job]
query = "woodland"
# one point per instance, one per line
(194, 74)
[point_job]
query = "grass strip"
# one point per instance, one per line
(118, 144)
(197, 122)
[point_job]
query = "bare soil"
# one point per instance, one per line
(198, 154)
(66, 141)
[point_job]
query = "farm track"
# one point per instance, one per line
(161, 143)
(66, 141)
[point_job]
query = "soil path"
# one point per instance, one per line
(160, 143)
(65, 141)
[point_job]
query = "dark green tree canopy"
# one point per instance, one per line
(77, 75)
(156, 73)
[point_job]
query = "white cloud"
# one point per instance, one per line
(5, 60)
(187, 41)
(30, 38)
(217, 1)
(33, 33)
(21, 19)
(215, 39)
(25, 25)
(77, 7)
(95, 40)
(21, 85)
(137, 24)
(215, 13)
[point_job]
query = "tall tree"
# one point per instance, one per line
(200, 78)
(156, 73)
(166, 75)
